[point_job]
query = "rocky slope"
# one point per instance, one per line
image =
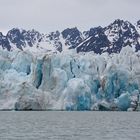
(109, 39)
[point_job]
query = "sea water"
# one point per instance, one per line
(60, 125)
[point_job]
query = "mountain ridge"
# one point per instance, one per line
(111, 38)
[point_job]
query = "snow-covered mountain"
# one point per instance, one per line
(99, 39)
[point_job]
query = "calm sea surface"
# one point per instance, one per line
(69, 125)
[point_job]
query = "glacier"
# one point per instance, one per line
(69, 80)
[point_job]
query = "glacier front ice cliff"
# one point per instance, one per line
(69, 81)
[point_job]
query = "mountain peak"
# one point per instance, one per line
(111, 38)
(118, 21)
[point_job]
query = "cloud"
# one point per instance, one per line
(50, 15)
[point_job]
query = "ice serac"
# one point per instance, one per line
(77, 95)
(70, 81)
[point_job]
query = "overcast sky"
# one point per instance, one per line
(50, 15)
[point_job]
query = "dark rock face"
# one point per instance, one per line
(4, 43)
(16, 37)
(54, 37)
(123, 33)
(96, 41)
(109, 39)
(19, 38)
(72, 37)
